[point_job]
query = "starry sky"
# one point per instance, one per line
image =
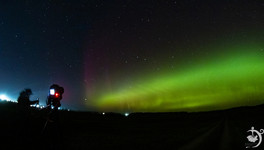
(127, 56)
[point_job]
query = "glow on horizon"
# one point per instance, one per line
(219, 84)
(4, 97)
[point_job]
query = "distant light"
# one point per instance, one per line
(126, 114)
(52, 91)
(37, 106)
(103, 113)
(68, 109)
(3, 97)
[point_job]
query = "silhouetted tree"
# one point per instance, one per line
(24, 118)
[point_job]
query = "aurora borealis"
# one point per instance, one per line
(223, 83)
(135, 56)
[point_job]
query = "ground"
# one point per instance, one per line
(225, 129)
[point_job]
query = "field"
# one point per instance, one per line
(225, 129)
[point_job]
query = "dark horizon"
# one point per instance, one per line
(223, 130)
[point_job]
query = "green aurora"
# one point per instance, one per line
(224, 82)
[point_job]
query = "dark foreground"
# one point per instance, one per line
(87, 130)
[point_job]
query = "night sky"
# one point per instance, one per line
(127, 56)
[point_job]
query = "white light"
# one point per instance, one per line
(126, 114)
(52, 91)
(3, 97)
(37, 106)
(103, 113)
